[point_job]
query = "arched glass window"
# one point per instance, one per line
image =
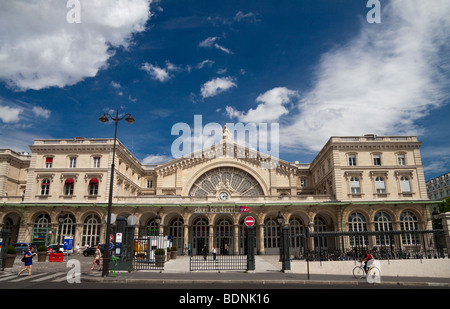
(296, 227)
(383, 222)
(224, 236)
(42, 221)
(93, 186)
(68, 186)
(200, 235)
(358, 223)
(409, 222)
(271, 234)
(91, 231)
(67, 228)
(152, 227)
(177, 232)
(45, 187)
(320, 226)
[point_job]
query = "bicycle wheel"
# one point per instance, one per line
(374, 274)
(358, 272)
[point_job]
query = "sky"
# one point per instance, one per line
(316, 68)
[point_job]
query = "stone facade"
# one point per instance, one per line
(354, 183)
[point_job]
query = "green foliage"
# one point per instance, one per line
(160, 251)
(42, 249)
(11, 250)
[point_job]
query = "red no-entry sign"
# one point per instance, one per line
(249, 221)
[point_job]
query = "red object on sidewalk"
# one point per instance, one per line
(56, 257)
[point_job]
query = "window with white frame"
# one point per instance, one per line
(48, 162)
(401, 159)
(72, 162)
(355, 187)
(409, 222)
(93, 186)
(352, 160)
(149, 183)
(405, 185)
(96, 162)
(45, 187)
(383, 223)
(380, 185)
(376, 159)
(357, 223)
(91, 231)
(302, 182)
(68, 186)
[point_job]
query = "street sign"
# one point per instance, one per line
(249, 221)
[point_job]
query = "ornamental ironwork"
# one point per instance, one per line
(224, 182)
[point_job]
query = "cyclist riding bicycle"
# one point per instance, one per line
(366, 259)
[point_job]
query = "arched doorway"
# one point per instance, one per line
(200, 235)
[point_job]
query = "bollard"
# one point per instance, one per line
(114, 259)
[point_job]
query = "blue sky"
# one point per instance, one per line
(318, 68)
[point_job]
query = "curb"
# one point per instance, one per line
(260, 282)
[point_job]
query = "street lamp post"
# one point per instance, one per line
(61, 218)
(280, 220)
(104, 119)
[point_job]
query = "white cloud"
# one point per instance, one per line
(211, 42)
(382, 81)
(41, 112)
(10, 114)
(204, 63)
(249, 17)
(272, 105)
(40, 48)
(216, 86)
(155, 159)
(156, 72)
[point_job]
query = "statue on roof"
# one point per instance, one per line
(226, 134)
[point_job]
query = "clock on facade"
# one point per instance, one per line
(223, 196)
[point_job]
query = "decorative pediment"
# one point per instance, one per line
(225, 149)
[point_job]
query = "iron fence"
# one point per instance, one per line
(382, 245)
(5, 239)
(144, 257)
(219, 262)
(226, 253)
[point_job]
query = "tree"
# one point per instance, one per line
(444, 206)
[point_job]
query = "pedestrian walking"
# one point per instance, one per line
(205, 252)
(97, 258)
(29, 262)
(214, 253)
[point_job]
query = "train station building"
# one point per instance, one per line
(355, 183)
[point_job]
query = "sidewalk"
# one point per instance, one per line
(267, 270)
(176, 271)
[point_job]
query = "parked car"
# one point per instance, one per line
(22, 247)
(91, 250)
(54, 248)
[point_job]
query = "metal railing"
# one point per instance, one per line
(219, 262)
(382, 245)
